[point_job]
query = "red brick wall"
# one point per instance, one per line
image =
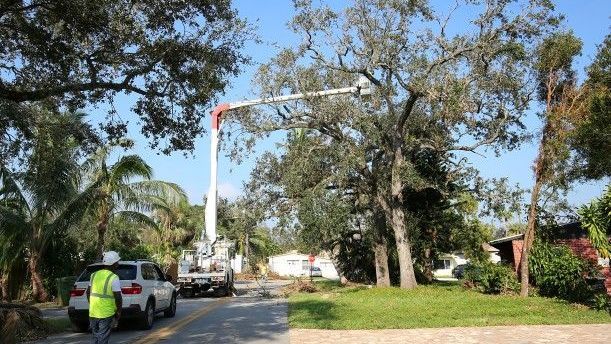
(607, 273)
(516, 245)
(583, 248)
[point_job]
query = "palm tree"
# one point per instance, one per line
(596, 219)
(119, 196)
(42, 200)
(177, 225)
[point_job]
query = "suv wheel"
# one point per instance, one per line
(79, 327)
(146, 322)
(171, 311)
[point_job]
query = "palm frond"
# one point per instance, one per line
(136, 218)
(172, 192)
(10, 192)
(74, 210)
(129, 167)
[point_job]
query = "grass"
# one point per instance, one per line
(438, 305)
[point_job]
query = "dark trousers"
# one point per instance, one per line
(100, 328)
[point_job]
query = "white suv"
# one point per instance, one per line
(144, 288)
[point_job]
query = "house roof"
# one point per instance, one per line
(507, 238)
(290, 253)
(488, 248)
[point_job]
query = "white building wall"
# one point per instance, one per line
(297, 264)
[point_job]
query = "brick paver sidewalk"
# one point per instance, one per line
(587, 334)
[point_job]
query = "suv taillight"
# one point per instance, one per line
(133, 290)
(76, 291)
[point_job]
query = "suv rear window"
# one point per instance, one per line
(125, 272)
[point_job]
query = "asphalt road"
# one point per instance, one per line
(250, 317)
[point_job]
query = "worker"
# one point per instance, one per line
(104, 296)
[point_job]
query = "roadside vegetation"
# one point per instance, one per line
(436, 305)
(383, 183)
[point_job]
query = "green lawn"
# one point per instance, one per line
(439, 305)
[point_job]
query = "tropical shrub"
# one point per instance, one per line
(491, 278)
(557, 272)
(602, 302)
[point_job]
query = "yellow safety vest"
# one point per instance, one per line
(102, 300)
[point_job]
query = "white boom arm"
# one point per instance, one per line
(363, 88)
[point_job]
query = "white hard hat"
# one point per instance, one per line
(110, 257)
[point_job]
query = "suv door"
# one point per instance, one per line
(149, 275)
(166, 287)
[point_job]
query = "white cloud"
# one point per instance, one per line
(228, 190)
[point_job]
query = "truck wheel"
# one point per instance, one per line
(171, 311)
(221, 291)
(146, 321)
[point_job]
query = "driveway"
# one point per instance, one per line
(590, 334)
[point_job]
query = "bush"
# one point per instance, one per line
(602, 302)
(491, 278)
(557, 272)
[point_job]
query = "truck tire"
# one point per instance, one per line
(171, 311)
(222, 291)
(148, 316)
(187, 293)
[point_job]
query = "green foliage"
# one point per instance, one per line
(124, 190)
(602, 302)
(596, 219)
(175, 57)
(41, 202)
(554, 64)
(491, 278)
(133, 252)
(591, 140)
(557, 272)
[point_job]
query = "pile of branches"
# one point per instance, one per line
(21, 323)
(299, 286)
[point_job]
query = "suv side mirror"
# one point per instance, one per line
(168, 277)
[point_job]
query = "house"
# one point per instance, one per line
(570, 234)
(446, 262)
(443, 265)
(510, 250)
(294, 263)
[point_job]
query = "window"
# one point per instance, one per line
(148, 272)
(442, 264)
(125, 272)
(160, 275)
(305, 265)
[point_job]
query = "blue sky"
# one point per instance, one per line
(588, 19)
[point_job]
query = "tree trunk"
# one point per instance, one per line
(39, 293)
(428, 265)
(406, 265)
(529, 236)
(102, 227)
(380, 249)
(4, 290)
(247, 251)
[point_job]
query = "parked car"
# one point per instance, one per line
(459, 271)
(144, 288)
(315, 271)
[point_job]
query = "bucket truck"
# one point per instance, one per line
(208, 265)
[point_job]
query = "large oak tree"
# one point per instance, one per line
(174, 56)
(443, 84)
